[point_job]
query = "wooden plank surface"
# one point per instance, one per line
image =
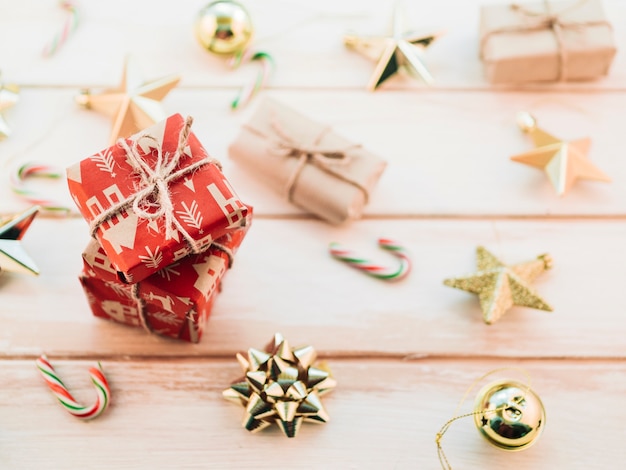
(448, 152)
(405, 353)
(284, 280)
(171, 414)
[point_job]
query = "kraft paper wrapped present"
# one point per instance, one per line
(549, 41)
(175, 302)
(314, 167)
(154, 198)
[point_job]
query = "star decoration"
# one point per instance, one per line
(500, 287)
(12, 255)
(402, 48)
(9, 95)
(134, 105)
(281, 386)
(564, 162)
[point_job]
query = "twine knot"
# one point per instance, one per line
(324, 158)
(152, 198)
(547, 20)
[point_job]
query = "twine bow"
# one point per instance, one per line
(326, 159)
(152, 198)
(547, 20)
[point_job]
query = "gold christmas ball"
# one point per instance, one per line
(223, 27)
(511, 416)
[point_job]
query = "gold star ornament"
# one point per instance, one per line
(9, 95)
(12, 256)
(134, 105)
(499, 287)
(401, 49)
(564, 162)
(280, 385)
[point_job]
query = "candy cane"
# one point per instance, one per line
(36, 170)
(65, 397)
(69, 26)
(248, 91)
(381, 272)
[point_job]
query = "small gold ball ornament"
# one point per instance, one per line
(509, 415)
(224, 27)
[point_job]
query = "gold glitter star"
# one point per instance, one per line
(564, 162)
(281, 386)
(12, 255)
(500, 287)
(8, 97)
(402, 48)
(134, 105)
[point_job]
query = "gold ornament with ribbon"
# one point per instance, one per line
(224, 28)
(507, 413)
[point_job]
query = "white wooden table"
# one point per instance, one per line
(404, 353)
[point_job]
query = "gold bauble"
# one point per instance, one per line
(224, 27)
(510, 415)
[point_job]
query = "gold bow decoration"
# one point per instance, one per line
(280, 385)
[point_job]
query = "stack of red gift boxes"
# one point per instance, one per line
(166, 225)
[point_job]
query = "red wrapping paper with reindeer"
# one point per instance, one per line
(154, 198)
(175, 302)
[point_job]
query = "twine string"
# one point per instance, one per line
(546, 20)
(152, 199)
(326, 159)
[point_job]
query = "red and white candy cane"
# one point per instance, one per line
(69, 26)
(28, 170)
(386, 273)
(66, 399)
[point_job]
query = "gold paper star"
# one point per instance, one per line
(402, 48)
(281, 386)
(500, 287)
(12, 255)
(564, 162)
(9, 95)
(134, 105)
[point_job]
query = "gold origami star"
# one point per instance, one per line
(134, 105)
(402, 48)
(281, 386)
(9, 95)
(500, 287)
(564, 162)
(12, 255)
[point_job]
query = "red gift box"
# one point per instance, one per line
(154, 198)
(176, 301)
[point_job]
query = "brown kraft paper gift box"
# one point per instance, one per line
(543, 42)
(318, 170)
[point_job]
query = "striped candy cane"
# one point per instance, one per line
(251, 89)
(65, 397)
(69, 26)
(381, 272)
(36, 170)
